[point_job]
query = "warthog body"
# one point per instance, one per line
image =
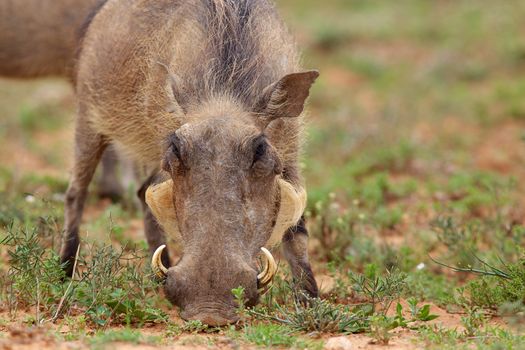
(41, 38)
(207, 94)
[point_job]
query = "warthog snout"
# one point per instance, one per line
(206, 295)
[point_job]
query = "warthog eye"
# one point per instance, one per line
(265, 160)
(173, 156)
(175, 150)
(261, 145)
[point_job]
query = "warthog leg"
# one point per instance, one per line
(89, 147)
(295, 244)
(109, 184)
(154, 233)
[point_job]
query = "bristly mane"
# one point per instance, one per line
(246, 48)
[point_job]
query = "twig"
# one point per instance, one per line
(492, 268)
(37, 301)
(495, 272)
(268, 317)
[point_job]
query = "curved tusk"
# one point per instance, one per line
(156, 263)
(292, 206)
(159, 198)
(269, 270)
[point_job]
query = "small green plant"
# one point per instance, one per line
(36, 279)
(459, 239)
(194, 326)
(387, 218)
(381, 324)
(496, 285)
(238, 295)
(99, 288)
(77, 326)
(315, 315)
(35, 274)
(380, 327)
(302, 313)
(418, 313)
(271, 334)
(473, 322)
(437, 334)
(377, 289)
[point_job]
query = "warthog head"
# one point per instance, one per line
(225, 197)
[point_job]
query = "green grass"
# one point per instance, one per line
(103, 340)
(110, 288)
(275, 335)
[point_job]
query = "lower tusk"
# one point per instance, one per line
(156, 263)
(269, 270)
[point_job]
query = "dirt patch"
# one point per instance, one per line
(502, 149)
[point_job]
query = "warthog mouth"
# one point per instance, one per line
(263, 278)
(211, 313)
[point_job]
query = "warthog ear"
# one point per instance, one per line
(177, 90)
(293, 202)
(286, 97)
(160, 200)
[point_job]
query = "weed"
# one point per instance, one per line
(380, 327)
(473, 322)
(387, 218)
(194, 326)
(35, 274)
(418, 313)
(377, 289)
(271, 334)
(77, 326)
(315, 315)
(238, 294)
(437, 334)
(460, 241)
(36, 277)
(302, 313)
(100, 288)
(496, 286)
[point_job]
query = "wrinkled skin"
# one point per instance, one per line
(224, 175)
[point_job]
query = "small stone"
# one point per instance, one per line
(338, 343)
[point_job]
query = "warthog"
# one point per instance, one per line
(207, 95)
(41, 38)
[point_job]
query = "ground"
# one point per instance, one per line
(414, 157)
